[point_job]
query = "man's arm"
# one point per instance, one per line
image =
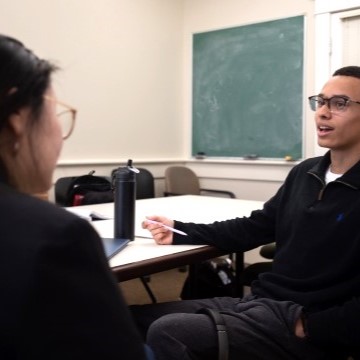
(338, 325)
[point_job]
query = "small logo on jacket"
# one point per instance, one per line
(340, 217)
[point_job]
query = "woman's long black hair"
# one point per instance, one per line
(24, 78)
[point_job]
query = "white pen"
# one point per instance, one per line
(166, 227)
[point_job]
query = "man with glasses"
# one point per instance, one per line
(308, 307)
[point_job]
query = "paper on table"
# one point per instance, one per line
(90, 215)
(144, 233)
(86, 213)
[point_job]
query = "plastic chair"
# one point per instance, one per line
(180, 180)
(145, 184)
(251, 272)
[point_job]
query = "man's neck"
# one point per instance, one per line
(341, 162)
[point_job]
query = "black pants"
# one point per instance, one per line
(257, 328)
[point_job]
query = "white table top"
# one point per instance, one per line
(199, 209)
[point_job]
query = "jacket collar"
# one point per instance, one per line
(4, 188)
(351, 177)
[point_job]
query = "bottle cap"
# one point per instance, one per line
(126, 173)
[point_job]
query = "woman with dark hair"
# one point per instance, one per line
(58, 296)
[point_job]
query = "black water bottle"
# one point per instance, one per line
(124, 180)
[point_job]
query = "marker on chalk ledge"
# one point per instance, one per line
(251, 157)
(200, 155)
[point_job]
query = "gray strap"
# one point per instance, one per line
(223, 341)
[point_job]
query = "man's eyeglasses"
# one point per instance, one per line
(336, 104)
(66, 115)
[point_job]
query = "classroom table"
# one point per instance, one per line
(143, 256)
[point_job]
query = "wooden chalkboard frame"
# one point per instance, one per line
(248, 90)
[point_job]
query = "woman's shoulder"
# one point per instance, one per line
(21, 206)
(38, 219)
(36, 231)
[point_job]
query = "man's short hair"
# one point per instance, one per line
(353, 71)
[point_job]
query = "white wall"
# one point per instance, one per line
(328, 44)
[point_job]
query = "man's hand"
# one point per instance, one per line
(299, 328)
(161, 235)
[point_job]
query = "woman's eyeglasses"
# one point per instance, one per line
(66, 115)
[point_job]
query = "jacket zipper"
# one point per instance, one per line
(322, 190)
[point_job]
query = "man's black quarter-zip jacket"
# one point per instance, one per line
(317, 263)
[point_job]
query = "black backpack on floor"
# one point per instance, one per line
(214, 277)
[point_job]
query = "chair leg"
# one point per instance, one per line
(148, 290)
(193, 279)
(239, 268)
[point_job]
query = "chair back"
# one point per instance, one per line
(145, 185)
(180, 180)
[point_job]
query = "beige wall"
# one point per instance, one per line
(122, 69)
(127, 68)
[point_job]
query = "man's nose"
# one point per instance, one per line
(324, 111)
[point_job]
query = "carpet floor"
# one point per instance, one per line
(166, 286)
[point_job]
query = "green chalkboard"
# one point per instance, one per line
(248, 90)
